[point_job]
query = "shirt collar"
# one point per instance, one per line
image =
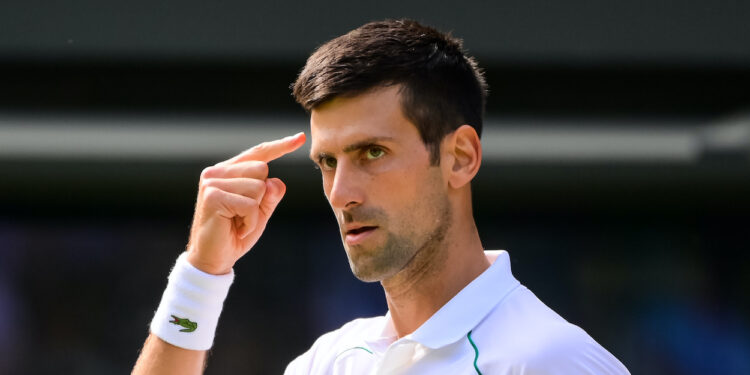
(463, 312)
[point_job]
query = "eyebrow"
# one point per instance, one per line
(353, 147)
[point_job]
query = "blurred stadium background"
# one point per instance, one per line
(617, 172)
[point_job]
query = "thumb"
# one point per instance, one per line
(275, 190)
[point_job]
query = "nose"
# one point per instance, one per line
(346, 187)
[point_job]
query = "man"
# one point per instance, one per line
(396, 113)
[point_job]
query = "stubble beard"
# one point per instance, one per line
(385, 261)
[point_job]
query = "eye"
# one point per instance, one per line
(374, 153)
(328, 163)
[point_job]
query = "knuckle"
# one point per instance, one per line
(211, 193)
(262, 147)
(208, 172)
(209, 183)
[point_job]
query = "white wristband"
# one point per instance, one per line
(190, 307)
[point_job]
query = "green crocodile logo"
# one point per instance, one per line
(186, 323)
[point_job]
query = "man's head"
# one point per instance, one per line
(396, 109)
(441, 88)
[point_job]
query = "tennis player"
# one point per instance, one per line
(396, 114)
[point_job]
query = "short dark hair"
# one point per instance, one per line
(442, 87)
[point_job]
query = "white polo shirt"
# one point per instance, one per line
(494, 325)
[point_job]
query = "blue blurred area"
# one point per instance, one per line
(687, 339)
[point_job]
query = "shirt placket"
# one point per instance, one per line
(400, 357)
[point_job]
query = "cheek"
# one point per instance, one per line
(399, 190)
(425, 192)
(328, 178)
(327, 185)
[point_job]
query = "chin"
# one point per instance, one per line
(364, 270)
(366, 278)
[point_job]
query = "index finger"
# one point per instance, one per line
(271, 150)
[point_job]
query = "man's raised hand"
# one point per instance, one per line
(235, 200)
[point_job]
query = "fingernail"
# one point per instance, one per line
(292, 136)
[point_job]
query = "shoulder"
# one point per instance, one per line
(322, 354)
(525, 335)
(569, 350)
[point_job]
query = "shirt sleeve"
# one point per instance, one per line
(301, 365)
(316, 360)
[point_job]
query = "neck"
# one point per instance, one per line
(434, 276)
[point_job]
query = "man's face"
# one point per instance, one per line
(389, 201)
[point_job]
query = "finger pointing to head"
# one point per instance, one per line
(272, 150)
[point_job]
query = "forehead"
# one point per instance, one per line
(345, 120)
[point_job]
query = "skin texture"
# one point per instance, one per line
(376, 172)
(423, 245)
(382, 178)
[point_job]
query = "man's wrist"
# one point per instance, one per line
(209, 268)
(191, 305)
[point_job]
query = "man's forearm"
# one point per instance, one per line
(159, 357)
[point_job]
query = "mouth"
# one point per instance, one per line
(360, 230)
(357, 235)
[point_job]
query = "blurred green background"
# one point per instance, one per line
(616, 173)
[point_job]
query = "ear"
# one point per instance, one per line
(462, 156)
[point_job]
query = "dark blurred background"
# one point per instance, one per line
(616, 172)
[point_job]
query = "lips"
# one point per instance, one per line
(357, 234)
(359, 230)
